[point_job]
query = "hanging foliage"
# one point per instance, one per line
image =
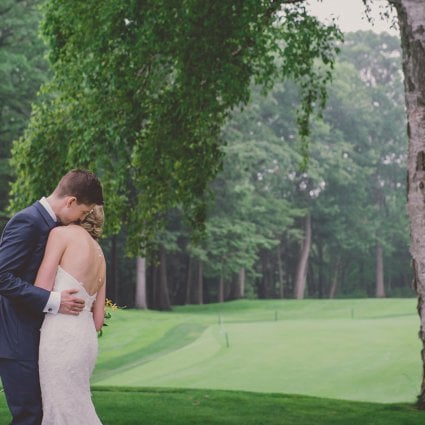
(141, 90)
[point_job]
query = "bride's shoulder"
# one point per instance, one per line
(63, 231)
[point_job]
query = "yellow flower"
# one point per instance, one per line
(109, 306)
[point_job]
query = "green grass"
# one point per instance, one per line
(150, 406)
(178, 367)
(364, 350)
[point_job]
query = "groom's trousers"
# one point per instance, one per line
(22, 388)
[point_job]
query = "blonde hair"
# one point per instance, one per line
(93, 222)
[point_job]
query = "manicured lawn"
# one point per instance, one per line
(174, 368)
(364, 350)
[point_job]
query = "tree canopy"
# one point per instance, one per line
(141, 91)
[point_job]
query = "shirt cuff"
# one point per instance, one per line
(53, 303)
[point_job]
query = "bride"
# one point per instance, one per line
(68, 344)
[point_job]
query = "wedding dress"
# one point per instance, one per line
(68, 351)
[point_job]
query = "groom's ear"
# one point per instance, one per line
(70, 200)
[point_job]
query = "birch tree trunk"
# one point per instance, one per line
(411, 18)
(301, 276)
(141, 299)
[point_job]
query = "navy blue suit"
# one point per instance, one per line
(21, 310)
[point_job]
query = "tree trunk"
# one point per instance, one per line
(380, 288)
(189, 282)
(141, 300)
(379, 254)
(200, 284)
(301, 275)
(320, 269)
(163, 295)
(411, 18)
(335, 279)
(280, 270)
(241, 283)
(288, 267)
(266, 281)
(154, 291)
(221, 290)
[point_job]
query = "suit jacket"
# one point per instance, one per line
(22, 248)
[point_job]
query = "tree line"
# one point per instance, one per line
(338, 228)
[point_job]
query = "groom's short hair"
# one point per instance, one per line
(82, 184)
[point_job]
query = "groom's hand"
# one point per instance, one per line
(70, 304)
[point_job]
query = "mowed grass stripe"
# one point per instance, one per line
(264, 310)
(174, 338)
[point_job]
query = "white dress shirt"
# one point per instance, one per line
(54, 301)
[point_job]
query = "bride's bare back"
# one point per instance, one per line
(82, 258)
(74, 249)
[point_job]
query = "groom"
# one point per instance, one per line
(21, 304)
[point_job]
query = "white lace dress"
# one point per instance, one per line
(68, 351)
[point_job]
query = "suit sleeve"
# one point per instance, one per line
(16, 250)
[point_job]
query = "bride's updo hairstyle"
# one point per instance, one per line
(93, 222)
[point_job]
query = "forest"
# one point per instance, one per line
(336, 229)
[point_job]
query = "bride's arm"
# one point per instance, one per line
(52, 256)
(99, 307)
